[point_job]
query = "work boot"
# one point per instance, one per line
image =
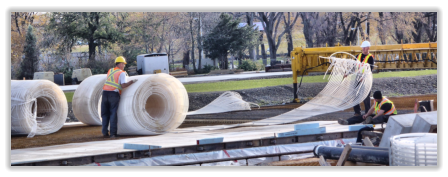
(113, 136)
(368, 120)
(106, 136)
(357, 114)
(343, 121)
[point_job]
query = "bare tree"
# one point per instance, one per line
(431, 26)
(288, 29)
(350, 24)
(270, 22)
(309, 22)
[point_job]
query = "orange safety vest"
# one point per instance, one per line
(112, 80)
(363, 62)
(385, 100)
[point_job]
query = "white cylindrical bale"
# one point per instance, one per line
(38, 107)
(155, 104)
(86, 103)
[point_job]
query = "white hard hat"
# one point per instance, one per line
(365, 44)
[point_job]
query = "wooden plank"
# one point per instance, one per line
(344, 155)
(322, 161)
(367, 142)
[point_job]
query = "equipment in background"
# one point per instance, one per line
(44, 76)
(387, 57)
(152, 63)
(59, 79)
(79, 75)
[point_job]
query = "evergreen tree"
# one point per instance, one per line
(30, 63)
(227, 38)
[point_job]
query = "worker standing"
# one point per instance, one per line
(115, 83)
(364, 57)
(377, 114)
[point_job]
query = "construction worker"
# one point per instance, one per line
(115, 83)
(377, 114)
(364, 57)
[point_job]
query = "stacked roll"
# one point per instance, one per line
(38, 107)
(156, 103)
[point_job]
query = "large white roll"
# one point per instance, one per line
(154, 104)
(413, 149)
(38, 107)
(87, 98)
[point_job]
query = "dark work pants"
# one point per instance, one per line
(359, 119)
(109, 107)
(358, 140)
(366, 101)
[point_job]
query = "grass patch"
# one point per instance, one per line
(81, 48)
(250, 84)
(69, 96)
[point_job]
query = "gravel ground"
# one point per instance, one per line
(395, 86)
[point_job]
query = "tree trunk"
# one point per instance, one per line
(186, 59)
(289, 40)
(200, 42)
(381, 34)
(250, 22)
(272, 50)
(257, 51)
(92, 47)
(263, 51)
(192, 45)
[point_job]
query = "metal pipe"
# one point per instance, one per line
(368, 147)
(356, 155)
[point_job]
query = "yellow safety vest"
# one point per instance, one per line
(112, 80)
(385, 100)
(363, 62)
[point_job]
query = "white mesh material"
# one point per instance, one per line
(38, 107)
(339, 94)
(226, 102)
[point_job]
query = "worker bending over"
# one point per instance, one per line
(383, 109)
(115, 83)
(364, 57)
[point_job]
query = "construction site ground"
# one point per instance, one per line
(84, 133)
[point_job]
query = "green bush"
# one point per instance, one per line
(208, 68)
(248, 65)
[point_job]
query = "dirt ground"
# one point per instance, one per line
(80, 134)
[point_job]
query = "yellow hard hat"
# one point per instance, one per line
(120, 59)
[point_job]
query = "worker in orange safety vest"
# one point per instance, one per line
(115, 83)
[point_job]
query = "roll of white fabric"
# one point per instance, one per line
(38, 107)
(155, 104)
(86, 102)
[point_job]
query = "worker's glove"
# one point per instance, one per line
(134, 81)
